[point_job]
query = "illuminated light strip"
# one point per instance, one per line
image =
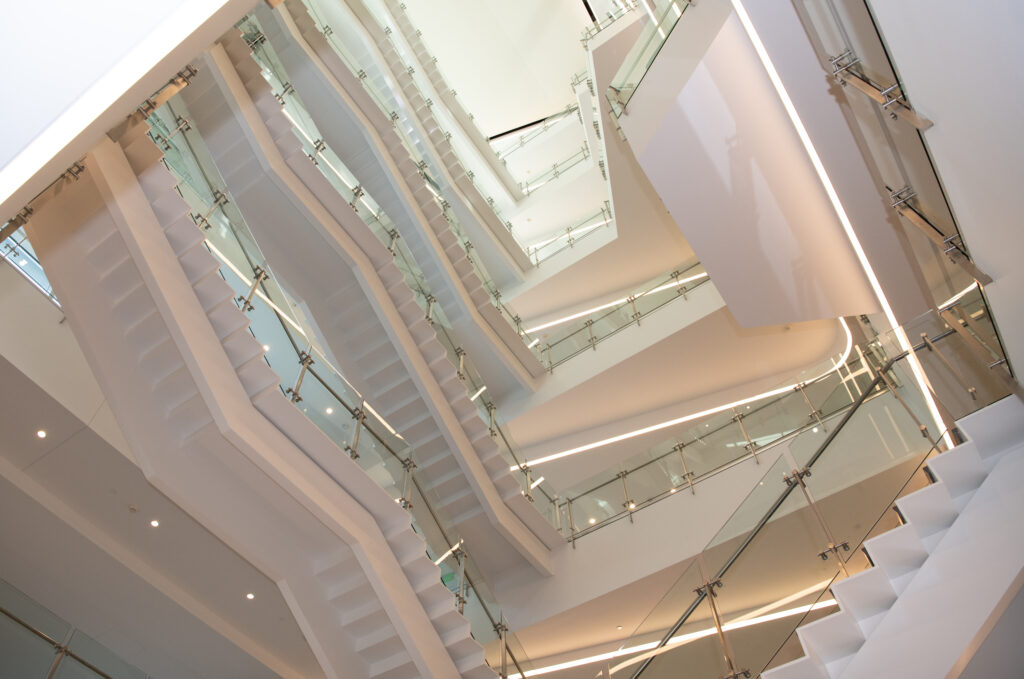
(696, 416)
(534, 343)
(477, 394)
(102, 94)
(833, 196)
(298, 329)
(536, 483)
(451, 550)
(672, 643)
(581, 229)
(573, 317)
(958, 296)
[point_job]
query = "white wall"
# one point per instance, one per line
(957, 66)
(74, 69)
(728, 164)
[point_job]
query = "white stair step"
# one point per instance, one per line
(929, 510)
(960, 468)
(865, 594)
(897, 552)
(832, 637)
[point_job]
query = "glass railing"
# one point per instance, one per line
(556, 170)
(18, 252)
(523, 139)
(37, 644)
(900, 155)
(770, 566)
(694, 451)
(332, 168)
(307, 376)
(347, 184)
(549, 247)
(662, 16)
(623, 8)
(558, 341)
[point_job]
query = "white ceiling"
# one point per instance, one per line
(510, 62)
(169, 599)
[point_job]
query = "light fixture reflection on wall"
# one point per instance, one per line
(698, 415)
(819, 167)
(41, 433)
(674, 641)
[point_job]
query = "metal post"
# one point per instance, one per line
(430, 308)
(394, 241)
(461, 372)
(815, 413)
(572, 524)
(963, 328)
(738, 419)
(628, 504)
(636, 314)
(892, 390)
(203, 221)
(952, 368)
(687, 474)
(460, 597)
(833, 546)
(528, 493)
(306, 360)
(708, 589)
(245, 303)
(502, 631)
(359, 415)
(490, 419)
(408, 465)
(590, 330)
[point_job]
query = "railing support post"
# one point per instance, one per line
(751, 446)
(833, 547)
(708, 589)
(305, 360)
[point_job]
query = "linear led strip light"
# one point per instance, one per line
(295, 326)
(617, 302)
(672, 643)
(696, 416)
(819, 167)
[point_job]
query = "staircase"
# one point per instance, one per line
(355, 128)
(382, 62)
(447, 95)
(211, 429)
(938, 577)
(367, 313)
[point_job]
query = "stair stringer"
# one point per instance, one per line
(936, 555)
(168, 372)
(383, 57)
(348, 119)
(446, 94)
(266, 172)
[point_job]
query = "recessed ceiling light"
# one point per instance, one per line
(266, 347)
(154, 523)
(815, 430)
(250, 596)
(22, 262)
(329, 410)
(618, 627)
(632, 505)
(591, 521)
(672, 490)
(41, 433)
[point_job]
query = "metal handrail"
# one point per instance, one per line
(875, 383)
